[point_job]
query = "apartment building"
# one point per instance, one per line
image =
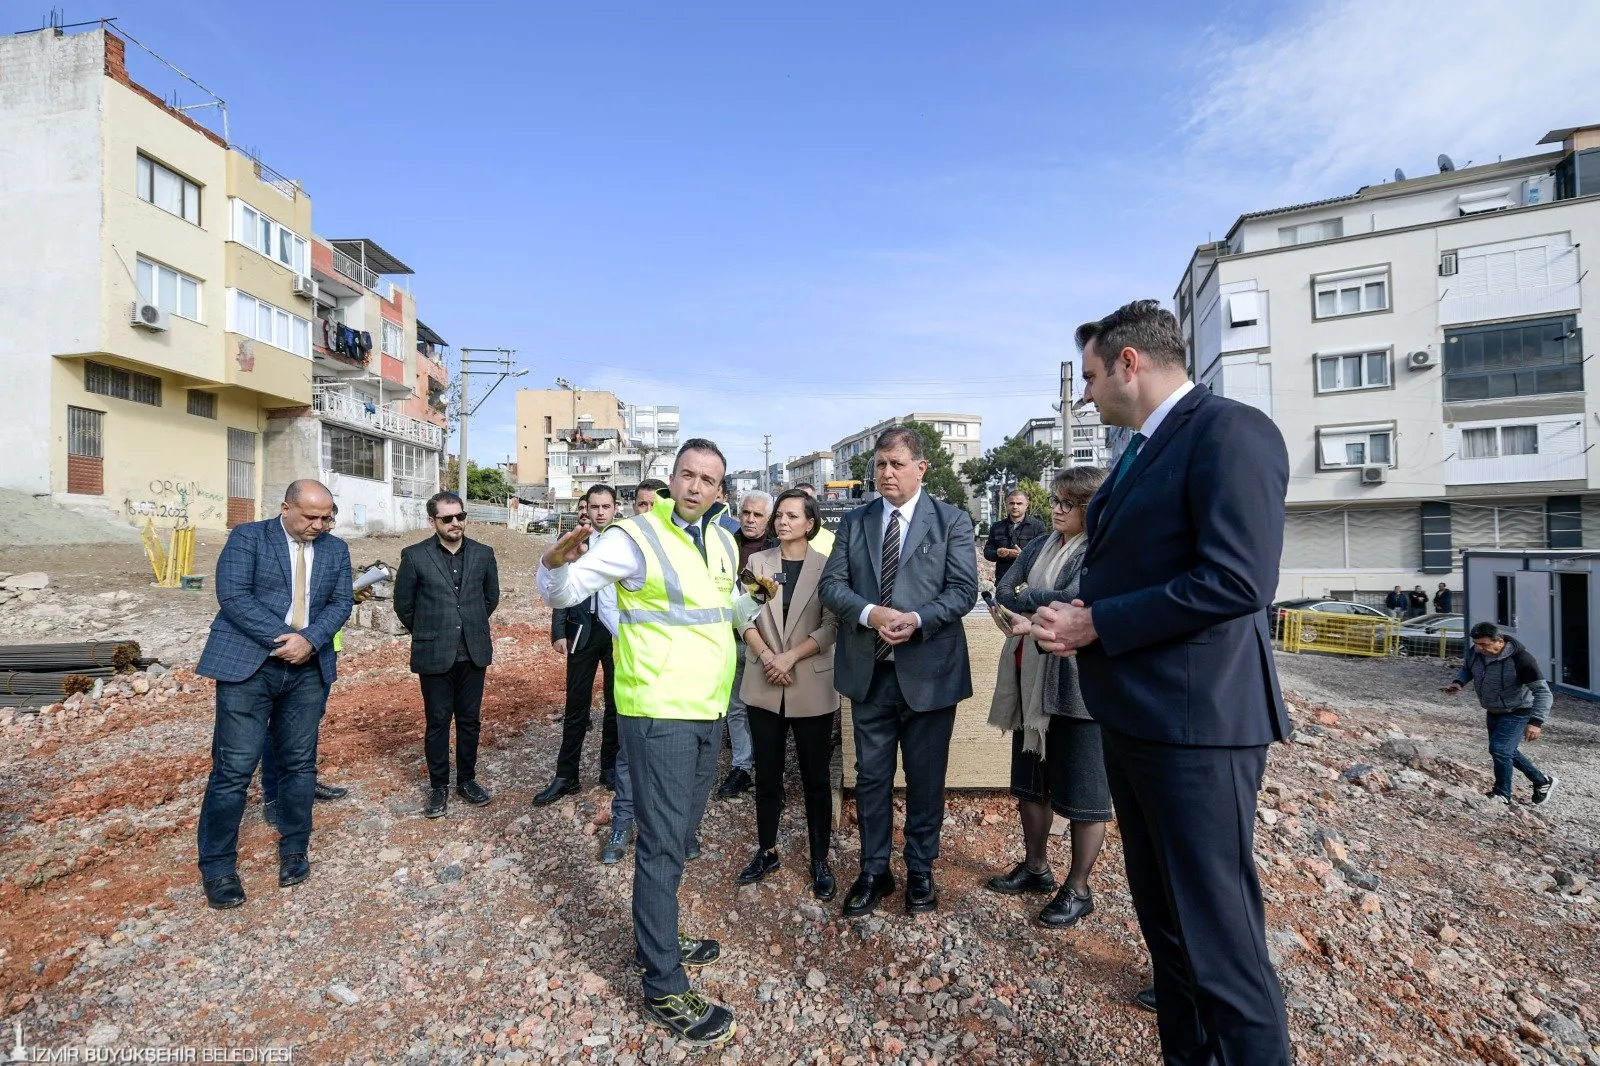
(1420, 345)
(815, 469)
(548, 416)
(962, 437)
(590, 455)
(741, 482)
(158, 305)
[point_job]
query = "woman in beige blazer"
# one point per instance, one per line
(788, 686)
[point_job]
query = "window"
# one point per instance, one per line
(84, 433)
(1353, 370)
(1505, 601)
(241, 464)
(1353, 292)
(352, 453)
(273, 240)
(961, 431)
(1349, 446)
(548, 421)
(203, 404)
(413, 469)
(168, 190)
(1306, 232)
(268, 324)
(1244, 309)
(1513, 359)
(1490, 442)
(169, 290)
(121, 384)
(393, 339)
(1519, 440)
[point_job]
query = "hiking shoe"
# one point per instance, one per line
(693, 1018)
(691, 952)
(1542, 792)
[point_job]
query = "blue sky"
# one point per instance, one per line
(801, 219)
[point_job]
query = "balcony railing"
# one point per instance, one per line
(354, 270)
(344, 408)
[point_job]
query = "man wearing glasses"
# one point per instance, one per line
(446, 589)
(284, 589)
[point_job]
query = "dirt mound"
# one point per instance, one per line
(26, 519)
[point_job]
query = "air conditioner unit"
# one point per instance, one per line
(1447, 264)
(304, 286)
(1374, 475)
(1419, 361)
(149, 316)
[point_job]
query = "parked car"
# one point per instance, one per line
(1277, 612)
(1423, 635)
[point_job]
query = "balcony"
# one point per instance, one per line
(354, 270)
(348, 410)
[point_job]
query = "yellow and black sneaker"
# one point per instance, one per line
(693, 953)
(693, 1018)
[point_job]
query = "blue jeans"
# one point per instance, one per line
(287, 703)
(738, 727)
(622, 798)
(1505, 733)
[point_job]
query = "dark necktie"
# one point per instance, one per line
(1128, 456)
(891, 566)
(695, 535)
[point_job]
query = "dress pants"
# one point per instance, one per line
(622, 798)
(672, 763)
(813, 748)
(1187, 819)
(738, 723)
(581, 666)
(455, 694)
(286, 703)
(885, 726)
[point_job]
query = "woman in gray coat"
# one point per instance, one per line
(1056, 766)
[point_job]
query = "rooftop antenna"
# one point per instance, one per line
(1399, 175)
(1445, 165)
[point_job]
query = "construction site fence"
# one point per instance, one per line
(1341, 634)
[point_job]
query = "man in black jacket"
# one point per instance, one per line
(1418, 603)
(583, 633)
(446, 589)
(1397, 602)
(1011, 534)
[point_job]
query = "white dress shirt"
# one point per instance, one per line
(311, 553)
(606, 598)
(906, 510)
(1159, 415)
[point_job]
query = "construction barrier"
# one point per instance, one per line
(173, 562)
(1341, 634)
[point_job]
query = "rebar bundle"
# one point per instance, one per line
(57, 683)
(119, 655)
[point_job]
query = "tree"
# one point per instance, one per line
(486, 483)
(1038, 499)
(1015, 460)
(941, 479)
(860, 465)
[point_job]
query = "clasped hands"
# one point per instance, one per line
(1063, 628)
(778, 666)
(292, 648)
(894, 627)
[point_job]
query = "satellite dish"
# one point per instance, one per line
(1445, 166)
(1399, 175)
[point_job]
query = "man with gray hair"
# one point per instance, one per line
(284, 589)
(755, 513)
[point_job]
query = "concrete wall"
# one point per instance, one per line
(51, 162)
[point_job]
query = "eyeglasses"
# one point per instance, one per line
(1059, 504)
(457, 517)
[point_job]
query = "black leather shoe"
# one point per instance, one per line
(737, 781)
(866, 893)
(438, 802)
(822, 884)
(922, 895)
(1022, 880)
(1065, 910)
(224, 893)
(473, 793)
(561, 786)
(608, 780)
(293, 869)
(1147, 998)
(324, 793)
(269, 813)
(763, 864)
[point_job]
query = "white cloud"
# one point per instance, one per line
(1345, 91)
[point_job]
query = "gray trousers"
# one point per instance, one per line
(671, 764)
(738, 724)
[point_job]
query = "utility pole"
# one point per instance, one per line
(766, 463)
(499, 368)
(1066, 414)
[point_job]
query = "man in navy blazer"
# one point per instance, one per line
(902, 575)
(284, 588)
(1176, 665)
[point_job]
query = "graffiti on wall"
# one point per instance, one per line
(177, 499)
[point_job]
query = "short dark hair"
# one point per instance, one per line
(699, 444)
(898, 435)
(1143, 325)
(810, 509)
(1486, 631)
(443, 497)
(607, 489)
(1078, 483)
(805, 485)
(655, 485)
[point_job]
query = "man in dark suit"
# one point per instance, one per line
(284, 589)
(1011, 534)
(584, 634)
(447, 588)
(902, 575)
(1175, 663)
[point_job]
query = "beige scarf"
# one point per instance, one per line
(1019, 701)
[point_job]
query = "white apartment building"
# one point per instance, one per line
(654, 429)
(591, 456)
(815, 469)
(962, 437)
(1420, 345)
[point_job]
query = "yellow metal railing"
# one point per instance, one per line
(173, 561)
(1342, 634)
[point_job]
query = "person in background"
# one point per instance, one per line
(283, 590)
(1056, 762)
(583, 636)
(754, 512)
(823, 541)
(787, 693)
(1011, 534)
(1397, 602)
(1442, 599)
(1416, 603)
(722, 510)
(644, 497)
(447, 588)
(1516, 699)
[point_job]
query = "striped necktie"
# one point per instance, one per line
(891, 566)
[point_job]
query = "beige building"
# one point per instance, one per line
(815, 470)
(545, 416)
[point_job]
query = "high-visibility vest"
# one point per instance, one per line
(675, 652)
(823, 541)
